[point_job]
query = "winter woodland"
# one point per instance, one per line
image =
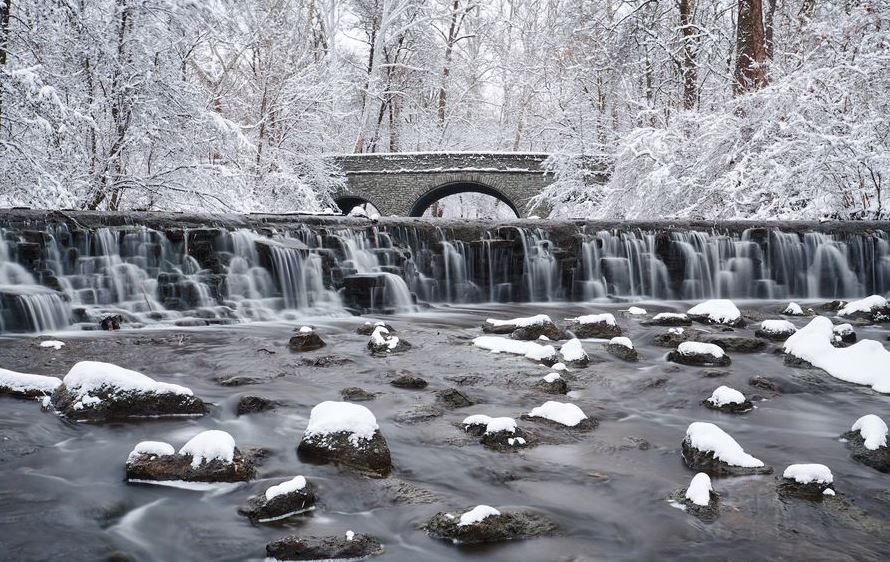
(703, 108)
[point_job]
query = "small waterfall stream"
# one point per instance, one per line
(58, 274)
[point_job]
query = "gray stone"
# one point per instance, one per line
(704, 461)
(324, 548)
(367, 456)
(261, 510)
(494, 528)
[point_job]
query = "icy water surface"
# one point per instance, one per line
(63, 494)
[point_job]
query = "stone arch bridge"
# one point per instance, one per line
(407, 183)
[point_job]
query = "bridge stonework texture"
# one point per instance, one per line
(407, 183)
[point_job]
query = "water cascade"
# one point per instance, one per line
(72, 272)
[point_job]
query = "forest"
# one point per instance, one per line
(764, 109)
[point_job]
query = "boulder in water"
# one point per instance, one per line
(485, 524)
(675, 319)
(738, 344)
(867, 441)
(595, 326)
(356, 394)
(210, 456)
(531, 328)
(94, 391)
(561, 414)
(623, 349)
(729, 400)
(368, 328)
(707, 448)
(305, 340)
(24, 385)
(281, 501)
(254, 404)
(453, 398)
(552, 383)
(809, 481)
(409, 381)
(698, 354)
(347, 435)
(699, 499)
(382, 343)
(351, 546)
(717, 311)
(874, 309)
(775, 330)
(675, 336)
(572, 354)
(111, 322)
(844, 335)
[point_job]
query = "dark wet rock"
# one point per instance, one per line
(698, 359)
(548, 329)
(603, 329)
(294, 502)
(356, 394)
(832, 306)
(465, 380)
(254, 404)
(383, 344)
(305, 341)
(878, 459)
(797, 362)
(325, 361)
(704, 461)
(368, 456)
(453, 398)
(409, 381)
(111, 322)
(30, 386)
(116, 405)
(675, 336)
(843, 336)
(324, 548)
(623, 352)
(557, 386)
(669, 319)
(179, 467)
(732, 408)
(637, 443)
(505, 440)
(367, 328)
(714, 373)
(418, 414)
(226, 380)
(494, 528)
(707, 513)
(774, 335)
(814, 491)
(706, 319)
(738, 344)
(118, 556)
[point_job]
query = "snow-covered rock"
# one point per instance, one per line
(368, 328)
(306, 339)
(94, 391)
(844, 335)
(793, 309)
(636, 311)
(809, 481)
(874, 308)
(699, 490)
(737, 344)
(716, 311)
(707, 448)
(210, 456)
(54, 344)
(572, 353)
(280, 501)
(24, 385)
(675, 336)
(485, 524)
(728, 399)
(699, 354)
(530, 350)
(552, 383)
(357, 546)
(699, 499)
(776, 330)
(562, 413)
(530, 328)
(669, 319)
(382, 343)
(595, 326)
(866, 362)
(502, 434)
(623, 348)
(346, 434)
(867, 441)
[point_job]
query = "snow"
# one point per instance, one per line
(843, 329)
(560, 412)
(501, 424)
(551, 377)
(708, 437)
(515, 441)
(87, 378)
(350, 535)
(296, 484)
(700, 348)
(55, 344)
(477, 419)
(635, 310)
(572, 350)
(210, 445)
(806, 473)
(863, 305)
(793, 309)
(699, 490)
(559, 367)
(335, 417)
(536, 320)
(24, 382)
(623, 341)
(477, 514)
(381, 337)
(724, 395)
(607, 318)
(305, 330)
(873, 430)
(866, 362)
(531, 350)
(721, 311)
(828, 492)
(670, 316)
(676, 331)
(153, 448)
(777, 326)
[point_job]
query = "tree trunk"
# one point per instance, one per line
(446, 69)
(768, 29)
(690, 47)
(5, 11)
(750, 65)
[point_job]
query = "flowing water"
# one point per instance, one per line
(64, 496)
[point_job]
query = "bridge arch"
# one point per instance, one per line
(455, 187)
(348, 201)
